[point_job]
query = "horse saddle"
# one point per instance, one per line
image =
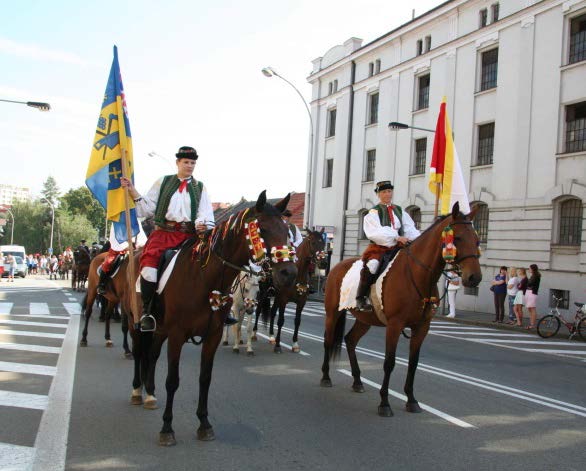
(387, 258)
(167, 263)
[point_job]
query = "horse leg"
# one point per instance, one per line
(418, 334)
(392, 338)
(205, 431)
(335, 323)
(225, 335)
(136, 398)
(236, 334)
(108, 314)
(124, 327)
(272, 323)
(280, 324)
(249, 350)
(87, 304)
(352, 338)
(254, 338)
(167, 435)
(150, 401)
(298, 310)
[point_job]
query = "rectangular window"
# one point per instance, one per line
(483, 18)
(559, 293)
(489, 70)
(330, 88)
(427, 43)
(423, 92)
(420, 156)
(328, 173)
(377, 66)
(370, 69)
(485, 144)
(370, 165)
(335, 85)
(571, 222)
(577, 39)
(372, 108)
(575, 140)
(495, 11)
(331, 123)
(419, 50)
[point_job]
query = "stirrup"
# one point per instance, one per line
(148, 323)
(363, 304)
(101, 290)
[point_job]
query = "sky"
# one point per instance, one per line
(192, 76)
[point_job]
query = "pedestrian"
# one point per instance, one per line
(531, 295)
(512, 289)
(499, 290)
(453, 287)
(520, 296)
(11, 262)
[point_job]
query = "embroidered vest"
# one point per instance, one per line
(169, 186)
(383, 214)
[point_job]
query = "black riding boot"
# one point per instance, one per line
(147, 293)
(102, 282)
(362, 299)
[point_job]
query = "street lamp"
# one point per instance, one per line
(4, 208)
(52, 222)
(395, 126)
(33, 104)
(270, 72)
(154, 154)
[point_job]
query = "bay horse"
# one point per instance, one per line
(308, 252)
(79, 269)
(407, 298)
(115, 289)
(189, 310)
(65, 267)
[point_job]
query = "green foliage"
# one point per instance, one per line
(79, 201)
(50, 190)
(71, 229)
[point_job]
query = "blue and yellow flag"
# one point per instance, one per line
(105, 166)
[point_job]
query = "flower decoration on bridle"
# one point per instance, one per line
(283, 253)
(256, 244)
(448, 248)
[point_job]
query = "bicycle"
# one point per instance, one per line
(549, 325)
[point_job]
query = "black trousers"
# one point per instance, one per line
(499, 306)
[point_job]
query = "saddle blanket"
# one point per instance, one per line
(167, 273)
(349, 288)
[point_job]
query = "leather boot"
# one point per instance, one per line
(147, 293)
(362, 299)
(102, 281)
(230, 320)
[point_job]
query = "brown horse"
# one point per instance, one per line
(115, 289)
(308, 252)
(80, 268)
(407, 298)
(211, 265)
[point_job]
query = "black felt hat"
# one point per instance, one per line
(384, 185)
(186, 152)
(287, 213)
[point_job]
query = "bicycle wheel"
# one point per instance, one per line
(582, 328)
(548, 326)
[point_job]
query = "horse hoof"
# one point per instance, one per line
(249, 354)
(205, 434)
(277, 349)
(83, 343)
(254, 338)
(167, 439)
(241, 342)
(225, 342)
(235, 350)
(413, 407)
(326, 383)
(128, 355)
(272, 341)
(358, 388)
(150, 404)
(109, 344)
(385, 411)
(136, 400)
(295, 349)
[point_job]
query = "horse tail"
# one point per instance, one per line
(338, 337)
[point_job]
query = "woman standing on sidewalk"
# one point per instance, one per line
(512, 289)
(531, 295)
(499, 289)
(521, 288)
(453, 287)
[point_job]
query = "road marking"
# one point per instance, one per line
(5, 308)
(27, 368)
(29, 348)
(447, 333)
(64, 316)
(41, 324)
(305, 354)
(457, 328)
(23, 333)
(432, 410)
(15, 457)
(539, 342)
(23, 400)
(39, 309)
(51, 441)
(72, 308)
(542, 350)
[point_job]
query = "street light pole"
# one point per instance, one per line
(52, 222)
(4, 208)
(270, 72)
(33, 104)
(395, 126)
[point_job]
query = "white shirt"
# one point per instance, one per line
(296, 238)
(179, 207)
(451, 276)
(513, 281)
(386, 235)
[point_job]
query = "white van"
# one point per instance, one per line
(20, 254)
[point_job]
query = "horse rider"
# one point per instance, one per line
(294, 233)
(181, 208)
(82, 246)
(388, 228)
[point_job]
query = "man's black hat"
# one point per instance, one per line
(287, 213)
(186, 152)
(384, 185)
(82, 241)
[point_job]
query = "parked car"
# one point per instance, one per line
(20, 270)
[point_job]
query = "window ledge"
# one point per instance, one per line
(562, 155)
(572, 66)
(367, 182)
(329, 138)
(371, 125)
(485, 92)
(480, 167)
(417, 175)
(420, 110)
(565, 249)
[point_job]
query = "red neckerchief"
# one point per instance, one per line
(183, 185)
(391, 215)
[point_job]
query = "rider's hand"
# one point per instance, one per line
(200, 228)
(402, 240)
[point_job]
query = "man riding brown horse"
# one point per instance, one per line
(181, 208)
(388, 228)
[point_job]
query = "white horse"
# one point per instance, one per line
(245, 289)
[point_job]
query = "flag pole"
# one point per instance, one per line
(437, 198)
(133, 300)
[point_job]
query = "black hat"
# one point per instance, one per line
(384, 185)
(287, 213)
(186, 152)
(82, 241)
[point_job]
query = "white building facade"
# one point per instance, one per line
(514, 75)
(10, 194)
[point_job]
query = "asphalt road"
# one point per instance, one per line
(492, 401)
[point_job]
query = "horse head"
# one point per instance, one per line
(315, 243)
(467, 243)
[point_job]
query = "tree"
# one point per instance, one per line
(71, 229)
(79, 201)
(50, 189)
(29, 229)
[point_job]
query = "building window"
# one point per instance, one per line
(481, 222)
(373, 108)
(427, 43)
(377, 66)
(423, 92)
(495, 8)
(420, 156)
(415, 214)
(419, 50)
(577, 39)
(570, 223)
(331, 127)
(335, 85)
(483, 18)
(328, 173)
(370, 69)
(330, 88)
(489, 69)
(370, 165)
(575, 127)
(485, 144)
(562, 294)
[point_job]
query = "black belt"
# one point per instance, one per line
(173, 226)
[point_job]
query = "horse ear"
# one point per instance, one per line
(472, 213)
(261, 201)
(455, 210)
(282, 205)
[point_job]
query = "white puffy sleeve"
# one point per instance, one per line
(381, 235)
(298, 238)
(205, 212)
(146, 207)
(409, 229)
